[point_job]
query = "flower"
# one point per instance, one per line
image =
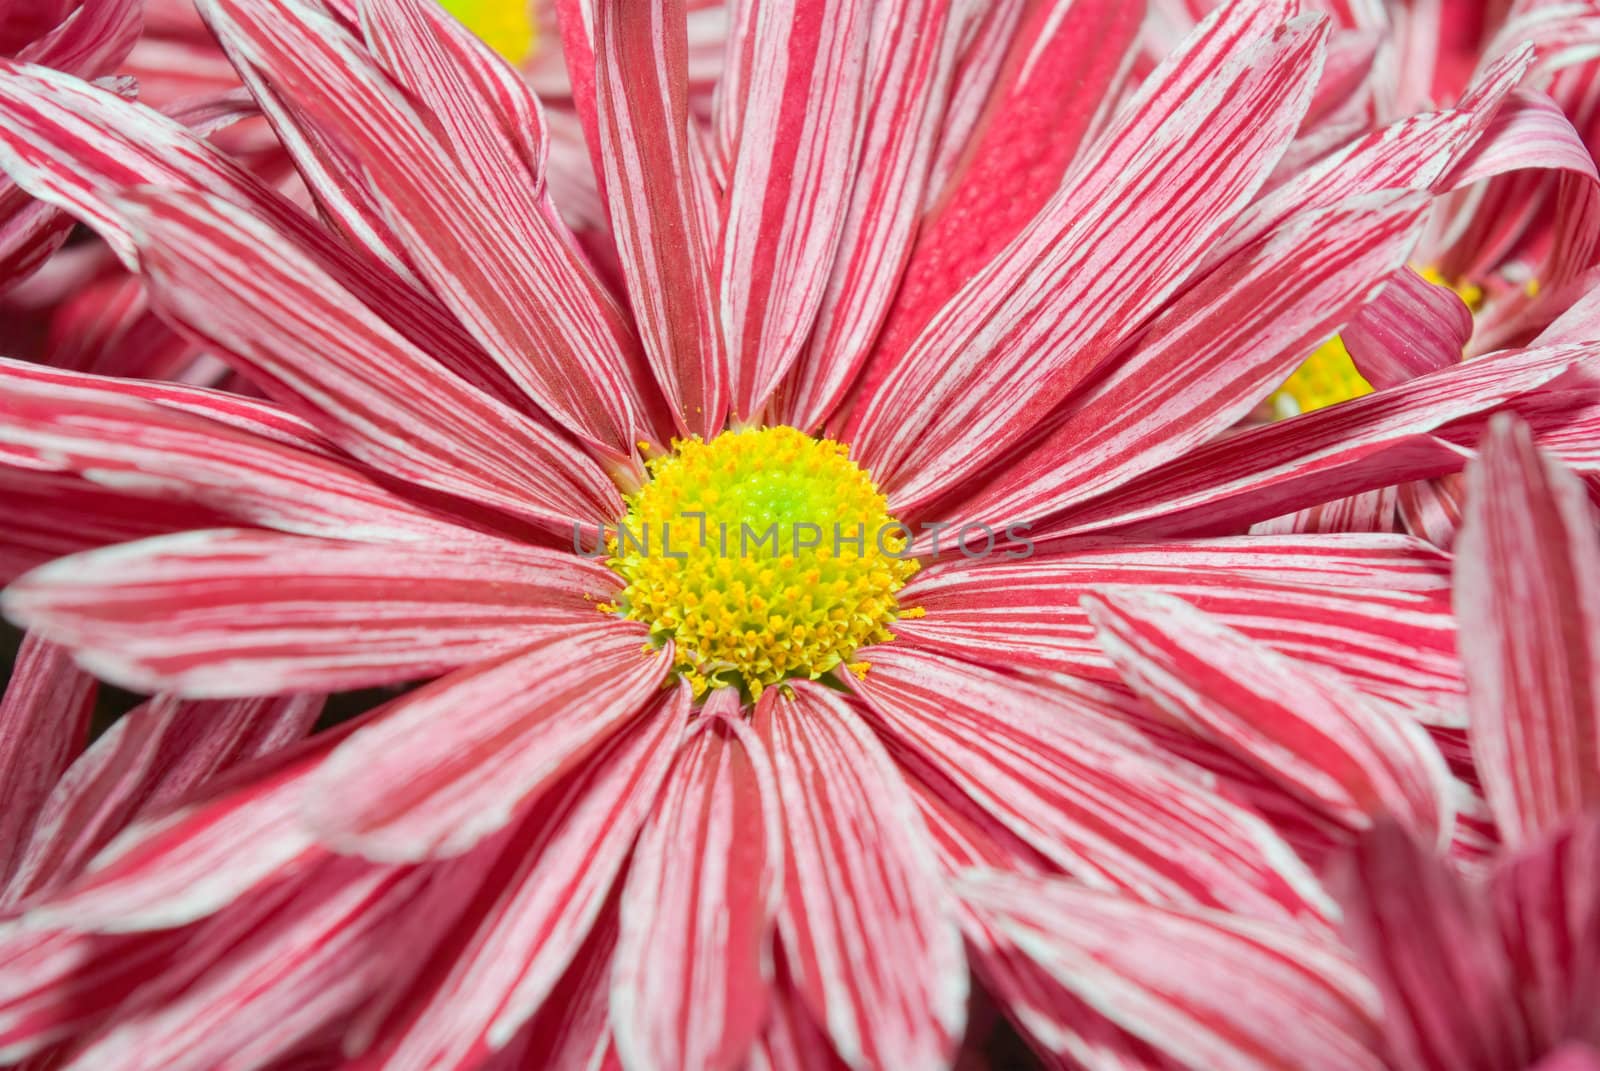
(647, 808)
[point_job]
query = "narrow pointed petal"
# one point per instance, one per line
(1176, 977)
(1384, 623)
(44, 723)
(241, 613)
(990, 363)
(390, 791)
(259, 298)
(867, 930)
(151, 758)
(790, 183)
(658, 211)
(485, 242)
(910, 63)
(515, 943)
(1528, 581)
(694, 961)
(1371, 441)
(1093, 796)
(1305, 728)
(1214, 355)
(1427, 939)
(118, 440)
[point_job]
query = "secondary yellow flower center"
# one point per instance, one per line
(506, 26)
(762, 555)
(1330, 376)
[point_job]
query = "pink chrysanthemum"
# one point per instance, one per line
(705, 811)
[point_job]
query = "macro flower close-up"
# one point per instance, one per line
(800, 534)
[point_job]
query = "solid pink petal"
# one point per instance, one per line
(789, 183)
(235, 613)
(1426, 938)
(1093, 796)
(1209, 989)
(694, 960)
(1301, 726)
(1413, 328)
(516, 941)
(910, 63)
(479, 233)
(264, 302)
(1372, 607)
(513, 726)
(659, 214)
(868, 932)
(151, 758)
(1001, 354)
(1371, 441)
(44, 723)
(1528, 594)
(127, 444)
(1209, 359)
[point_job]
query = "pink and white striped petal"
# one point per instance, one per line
(241, 285)
(1528, 592)
(694, 960)
(151, 758)
(124, 443)
(868, 931)
(1413, 328)
(1179, 978)
(1427, 939)
(390, 792)
(1211, 357)
(1000, 354)
(1382, 622)
(790, 182)
(1301, 726)
(515, 943)
(44, 723)
(1367, 442)
(239, 613)
(480, 234)
(1093, 796)
(659, 213)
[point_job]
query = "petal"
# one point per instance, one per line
(657, 212)
(117, 440)
(1366, 442)
(514, 726)
(253, 613)
(512, 947)
(1084, 276)
(789, 188)
(1176, 977)
(265, 303)
(1426, 938)
(1093, 796)
(1528, 581)
(1303, 727)
(694, 961)
(150, 758)
(1380, 621)
(1413, 328)
(44, 723)
(1213, 355)
(479, 233)
(867, 930)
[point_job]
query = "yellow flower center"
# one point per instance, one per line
(507, 26)
(1330, 376)
(762, 555)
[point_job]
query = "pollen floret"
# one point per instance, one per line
(762, 555)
